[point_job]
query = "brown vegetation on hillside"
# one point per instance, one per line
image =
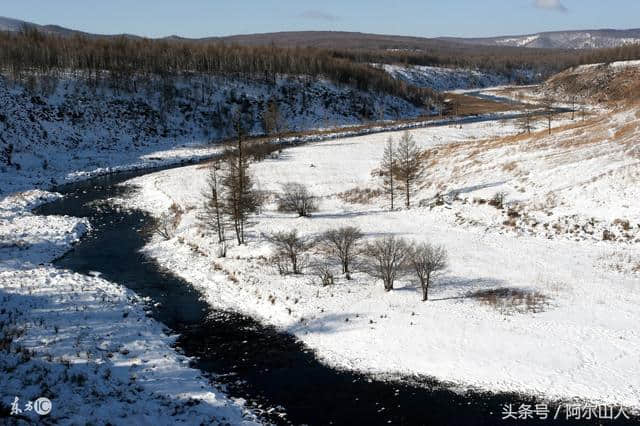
(123, 57)
(602, 83)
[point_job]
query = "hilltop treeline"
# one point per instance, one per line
(368, 48)
(124, 57)
(501, 60)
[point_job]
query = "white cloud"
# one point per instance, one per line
(550, 5)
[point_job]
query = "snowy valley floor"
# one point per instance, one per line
(48, 319)
(566, 241)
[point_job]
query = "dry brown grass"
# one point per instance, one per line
(627, 130)
(512, 300)
(359, 195)
(602, 84)
(468, 105)
(510, 166)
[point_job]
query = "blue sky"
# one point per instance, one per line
(428, 18)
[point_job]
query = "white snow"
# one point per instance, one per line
(449, 79)
(66, 128)
(84, 342)
(583, 342)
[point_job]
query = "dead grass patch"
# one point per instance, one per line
(510, 166)
(508, 300)
(626, 130)
(359, 195)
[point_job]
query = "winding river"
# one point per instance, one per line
(279, 377)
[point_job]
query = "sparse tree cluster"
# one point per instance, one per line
(387, 259)
(390, 257)
(401, 168)
(230, 197)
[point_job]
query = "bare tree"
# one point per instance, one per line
(168, 222)
(410, 169)
(388, 169)
(573, 106)
(296, 198)
(525, 122)
(273, 122)
(342, 243)
(387, 258)
(427, 260)
(324, 272)
(291, 246)
(498, 200)
(213, 209)
(547, 104)
(240, 198)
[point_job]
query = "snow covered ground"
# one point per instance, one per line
(447, 79)
(577, 338)
(52, 125)
(85, 343)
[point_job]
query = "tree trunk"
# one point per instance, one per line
(425, 289)
(391, 186)
(388, 285)
(407, 192)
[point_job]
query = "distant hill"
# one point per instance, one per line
(586, 39)
(14, 25)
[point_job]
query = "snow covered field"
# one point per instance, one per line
(85, 343)
(576, 339)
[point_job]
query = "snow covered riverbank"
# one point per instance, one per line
(85, 343)
(577, 339)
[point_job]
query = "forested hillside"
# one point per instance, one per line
(124, 57)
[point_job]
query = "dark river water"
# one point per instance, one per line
(279, 377)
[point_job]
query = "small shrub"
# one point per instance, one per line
(167, 223)
(324, 272)
(296, 198)
(510, 166)
(623, 223)
(289, 247)
(498, 200)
